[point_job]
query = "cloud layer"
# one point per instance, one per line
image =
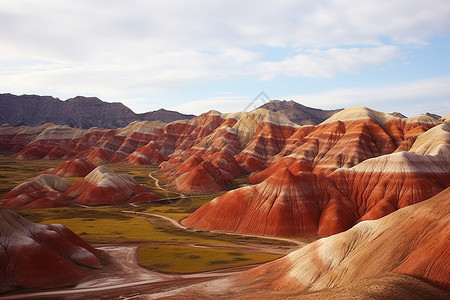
(137, 49)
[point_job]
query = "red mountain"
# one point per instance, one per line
(412, 241)
(205, 153)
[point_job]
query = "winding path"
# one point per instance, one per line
(126, 277)
(179, 225)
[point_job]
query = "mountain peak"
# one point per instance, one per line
(359, 113)
(299, 113)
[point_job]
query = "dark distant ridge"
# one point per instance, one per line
(398, 115)
(164, 115)
(79, 112)
(435, 116)
(298, 113)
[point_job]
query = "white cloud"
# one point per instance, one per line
(224, 104)
(410, 98)
(121, 49)
(328, 63)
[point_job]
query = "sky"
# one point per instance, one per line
(193, 56)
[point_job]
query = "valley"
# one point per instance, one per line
(233, 205)
(225, 150)
(129, 234)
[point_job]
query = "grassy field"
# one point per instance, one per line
(116, 225)
(111, 225)
(187, 259)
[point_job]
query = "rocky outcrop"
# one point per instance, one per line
(164, 115)
(79, 112)
(41, 256)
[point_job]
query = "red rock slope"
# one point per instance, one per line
(401, 256)
(72, 168)
(42, 192)
(41, 256)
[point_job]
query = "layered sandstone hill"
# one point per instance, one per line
(218, 147)
(51, 141)
(288, 201)
(72, 168)
(42, 192)
(348, 138)
(41, 256)
(103, 186)
(401, 256)
(207, 160)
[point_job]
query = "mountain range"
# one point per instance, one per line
(79, 112)
(88, 112)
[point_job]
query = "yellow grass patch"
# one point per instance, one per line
(134, 229)
(187, 259)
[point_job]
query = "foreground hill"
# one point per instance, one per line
(401, 256)
(79, 112)
(41, 256)
(299, 114)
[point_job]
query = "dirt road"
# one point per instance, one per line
(124, 279)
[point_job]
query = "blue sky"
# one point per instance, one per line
(193, 55)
